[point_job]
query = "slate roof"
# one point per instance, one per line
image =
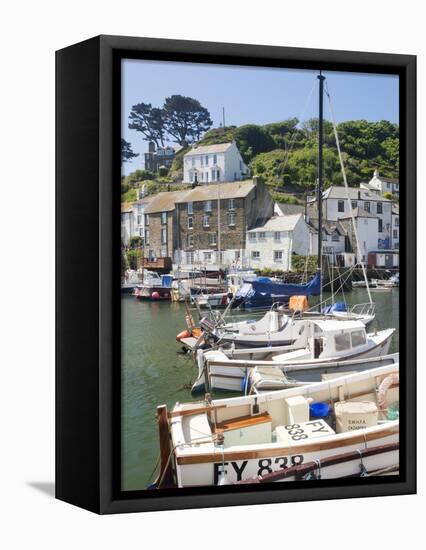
(213, 191)
(289, 209)
(355, 193)
(208, 149)
(279, 223)
(165, 201)
(360, 213)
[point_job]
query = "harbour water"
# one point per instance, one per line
(154, 372)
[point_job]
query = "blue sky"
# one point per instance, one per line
(255, 95)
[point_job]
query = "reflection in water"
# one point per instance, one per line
(153, 373)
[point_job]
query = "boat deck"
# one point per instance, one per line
(189, 343)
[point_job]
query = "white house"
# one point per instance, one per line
(333, 241)
(395, 226)
(272, 245)
(336, 207)
(133, 219)
(367, 226)
(214, 163)
(381, 184)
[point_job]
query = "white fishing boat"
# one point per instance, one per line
(319, 345)
(218, 442)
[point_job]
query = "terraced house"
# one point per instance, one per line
(213, 221)
(161, 237)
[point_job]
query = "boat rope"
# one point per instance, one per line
(336, 136)
(363, 469)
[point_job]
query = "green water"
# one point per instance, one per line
(153, 373)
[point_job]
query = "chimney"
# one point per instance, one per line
(376, 173)
(151, 147)
(255, 180)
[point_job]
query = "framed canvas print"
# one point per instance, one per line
(236, 291)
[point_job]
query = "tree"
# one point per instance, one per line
(185, 119)
(149, 121)
(253, 139)
(126, 151)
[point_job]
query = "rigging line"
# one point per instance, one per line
(296, 131)
(347, 189)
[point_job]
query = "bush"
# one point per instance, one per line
(136, 242)
(133, 258)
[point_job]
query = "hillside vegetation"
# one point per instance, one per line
(285, 153)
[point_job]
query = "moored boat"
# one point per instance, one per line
(217, 442)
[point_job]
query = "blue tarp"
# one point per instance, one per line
(312, 288)
(262, 292)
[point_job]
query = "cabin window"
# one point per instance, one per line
(342, 341)
(340, 206)
(358, 338)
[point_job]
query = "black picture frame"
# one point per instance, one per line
(88, 272)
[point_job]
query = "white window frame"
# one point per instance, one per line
(277, 236)
(190, 208)
(206, 220)
(252, 237)
(278, 260)
(146, 236)
(163, 218)
(164, 235)
(190, 222)
(212, 239)
(190, 241)
(232, 219)
(207, 207)
(255, 255)
(262, 236)
(232, 205)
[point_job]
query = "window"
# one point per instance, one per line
(140, 232)
(340, 206)
(231, 204)
(278, 256)
(202, 176)
(207, 160)
(202, 160)
(192, 161)
(214, 159)
(335, 237)
(190, 208)
(262, 236)
(396, 221)
(190, 222)
(252, 237)
(354, 204)
(231, 218)
(213, 174)
(139, 219)
(163, 235)
(190, 241)
(146, 236)
(255, 255)
(207, 256)
(342, 341)
(379, 208)
(395, 233)
(163, 252)
(207, 176)
(358, 338)
(277, 236)
(191, 177)
(212, 239)
(206, 221)
(380, 225)
(146, 219)
(163, 218)
(217, 175)
(367, 206)
(207, 206)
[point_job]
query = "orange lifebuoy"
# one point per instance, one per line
(183, 334)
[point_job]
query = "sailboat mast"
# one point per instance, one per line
(321, 79)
